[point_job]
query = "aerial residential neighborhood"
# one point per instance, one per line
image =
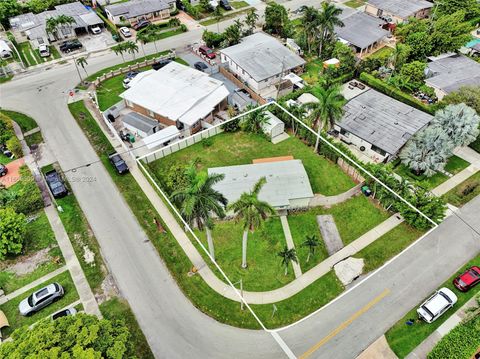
(240, 179)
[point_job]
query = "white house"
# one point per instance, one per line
(136, 10)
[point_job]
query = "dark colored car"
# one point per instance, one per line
(161, 63)
(3, 170)
(468, 279)
(180, 5)
(201, 66)
(6, 152)
(55, 183)
(141, 24)
(40, 299)
(208, 52)
(70, 45)
(117, 161)
(225, 4)
(64, 313)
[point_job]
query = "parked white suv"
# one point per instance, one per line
(44, 50)
(125, 31)
(96, 30)
(436, 305)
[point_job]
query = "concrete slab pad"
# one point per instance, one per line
(280, 138)
(330, 235)
(349, 269)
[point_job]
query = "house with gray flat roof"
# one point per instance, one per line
(139, 124)
(398, 11)
(447, 73)
(261, 61)
(287, 186)
(378, 125)
(135, 10)
(361, 31)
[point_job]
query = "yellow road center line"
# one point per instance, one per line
(345, 324)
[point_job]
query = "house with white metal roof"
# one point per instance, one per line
(177, 95)
(260, 61)
(398, 11)
(287, 185)
(136, 10)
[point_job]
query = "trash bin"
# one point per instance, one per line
(366, 190)
(131, 138)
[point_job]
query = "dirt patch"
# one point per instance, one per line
(27, 264)
(109, 290)
(88, 256)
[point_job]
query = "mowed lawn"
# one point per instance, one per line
(240, 148)
(264, 271)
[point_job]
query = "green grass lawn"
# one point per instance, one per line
(264, 270)
(464, 192)
(403, 338)
(456, 164)
(355, 3)
(239, 148)
(25, 122)
(118, 309)
(239, 4)
(4, 79)
(387, 246)
(17, 320)
(28, 54)
(34, 138)
(313, 68)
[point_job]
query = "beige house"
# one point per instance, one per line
(398, 11)
(135, 10)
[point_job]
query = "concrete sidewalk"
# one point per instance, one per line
(288, 237)
(455, 180)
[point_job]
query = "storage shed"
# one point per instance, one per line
(141, 125)
(274, 127)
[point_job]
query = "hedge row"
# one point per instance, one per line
(391, 91)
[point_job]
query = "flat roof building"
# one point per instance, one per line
(287, 185)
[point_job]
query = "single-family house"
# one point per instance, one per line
(287, 185)
(398, 11)
(5, 50)
(32, 27)
(177, 95)
(448, 72)
(361, 31)
(378, 125)
(135, 10)
(261, 62)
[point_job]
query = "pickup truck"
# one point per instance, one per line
(55, 183)
(118, 163)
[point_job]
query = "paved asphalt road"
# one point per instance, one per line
(174, 328)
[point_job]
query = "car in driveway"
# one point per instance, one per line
(44, 50)
(70, 45)
(3, 170)
(468, 279)
(437, 304)
(125, 31)
(141, 25)
(56, 184)
(40, 299)
(96, 30)
(64, 313)
(206, 51)
(118, 163)
(200, 66)
(225, 4)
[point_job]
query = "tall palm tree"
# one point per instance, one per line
(119, 50)
(142, 37)
(398, 57)
(311, 242)
(309, 24)
(252, 212)
(328, 109)
(131, 48)
(51, 26)
(288, 256)
(251, 21)
(327, 21)
(82, 61)
(198, 200)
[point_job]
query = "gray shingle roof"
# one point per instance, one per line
(136, 8)
(360, 29)
(261, 56)
(382, 121)
(143, 123)
(401, 8)
(449, 73)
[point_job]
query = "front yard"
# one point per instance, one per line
(464, 192)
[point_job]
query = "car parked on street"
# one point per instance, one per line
(200, 66)
(44, 50)
(56, 184)
(3, 170)
(40, 299)
(225, 4)
(468, 279)
(125, 31)
(438, 303)
(118, 163)
(64, 313)
(70, 45)
(96, 30)
(141, 24)
(206, 51)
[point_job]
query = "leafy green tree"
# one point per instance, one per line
(288, 256)
(76, 336)
(198, 200)
(470, 7)
(212, 39)
(12, 232)
(254, 121)
(432, 206)
(276, 20)
(8, 9)
(327, 110)
(450, 33)
(398, 56)
(252, 212)
(233, 34)
(469, 95)
(459, 122)
(328, 19)
(38, 6)
(311, 242)
(251, 21)
(347, 59)
(415, 72)
(309, 27)
(174, 22)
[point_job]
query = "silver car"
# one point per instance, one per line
(40, 299)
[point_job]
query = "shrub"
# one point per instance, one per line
(12, 232)
(207, 142)
(232, 126)
(27, 197)
(175, 178)
(14, 145)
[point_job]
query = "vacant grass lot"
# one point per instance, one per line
(464, 192)
(17, 320)
(241, 148)
(355, 3)
(403, 338)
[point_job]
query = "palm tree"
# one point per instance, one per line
(288, 256)
(252, 212)
(143, 38)
(82, 61)
(51, 26)
(328, 19)
(327, 110)
(174, 22)
(198, 200)
(251, 21)
(310, 23)
(398, 57)
(131, 48)
(254, 121)
(119, 50)
(312, 243)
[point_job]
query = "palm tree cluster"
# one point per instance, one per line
(53, 24)
(125, 47)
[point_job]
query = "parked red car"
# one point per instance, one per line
(208, 52)
(468, 279)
